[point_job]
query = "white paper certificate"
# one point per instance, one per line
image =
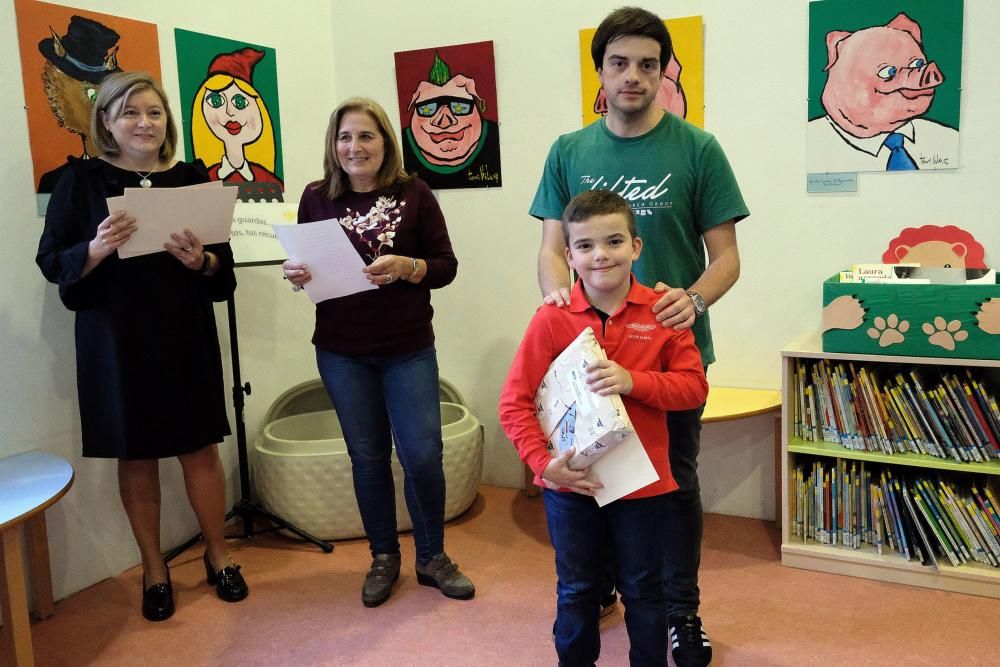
(159, 212)
(624, 469)
(332, 260)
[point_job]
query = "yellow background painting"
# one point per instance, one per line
(686, 34)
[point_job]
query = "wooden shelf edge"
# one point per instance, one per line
(807, 558)
(832, 449)
(810, 346)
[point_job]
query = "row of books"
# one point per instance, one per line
(852, 505)
(852, 405)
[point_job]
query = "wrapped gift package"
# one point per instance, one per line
(571, 415)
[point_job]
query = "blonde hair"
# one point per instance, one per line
(390, 173)
(115, 91)
(208, 147)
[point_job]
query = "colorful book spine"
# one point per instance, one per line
(935, 528)
(952, 541)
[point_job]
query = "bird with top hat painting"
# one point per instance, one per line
(75, 65)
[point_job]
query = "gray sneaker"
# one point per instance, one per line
(378, 582)
(444, 575)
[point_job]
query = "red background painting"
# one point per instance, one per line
(473, 60)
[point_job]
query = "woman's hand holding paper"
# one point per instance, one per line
(188, 249)
(296, 273)
(113, 232)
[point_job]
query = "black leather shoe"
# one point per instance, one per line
(229, 583)
(157, 600)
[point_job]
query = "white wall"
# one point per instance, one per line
(755, 75)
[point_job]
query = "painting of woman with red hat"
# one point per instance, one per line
(231, 129)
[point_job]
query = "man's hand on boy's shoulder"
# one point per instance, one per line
(606, 377)
(674, 309)
(558, 298)
(558, 475)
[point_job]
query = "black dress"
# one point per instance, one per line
(149, 372)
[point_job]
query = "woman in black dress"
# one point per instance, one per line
(149, 371)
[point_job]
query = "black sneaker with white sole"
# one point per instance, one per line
(688, 641)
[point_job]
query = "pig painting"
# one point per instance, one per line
(451, 134)
(880, 85)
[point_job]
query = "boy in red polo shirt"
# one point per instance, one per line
(653, 369)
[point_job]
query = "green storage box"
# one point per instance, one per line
(912, 320)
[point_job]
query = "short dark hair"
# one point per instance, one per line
(628, 22)
(596, 202)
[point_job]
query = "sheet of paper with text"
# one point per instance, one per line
(332, 260)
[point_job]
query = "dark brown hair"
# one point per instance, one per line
(596, 202)
(630, 22)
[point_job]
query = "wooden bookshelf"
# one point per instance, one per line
(970, 578)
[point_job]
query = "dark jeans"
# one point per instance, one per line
(580, 531)
(380, 399)
(684, 522)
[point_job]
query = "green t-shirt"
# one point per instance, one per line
(678, 182)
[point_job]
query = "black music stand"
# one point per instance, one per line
(246, 508)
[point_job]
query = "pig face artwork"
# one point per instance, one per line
(879, 78)
(448, 111)
(669, 97)
(879, 99)
(446, 121)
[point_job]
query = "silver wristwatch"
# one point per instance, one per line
(698, 303)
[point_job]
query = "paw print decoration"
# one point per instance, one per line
(889, 331)
(944, 334)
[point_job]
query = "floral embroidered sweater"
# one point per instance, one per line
(395, 318)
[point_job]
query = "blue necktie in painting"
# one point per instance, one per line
(899, 159)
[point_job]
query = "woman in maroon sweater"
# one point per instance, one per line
(375, 349)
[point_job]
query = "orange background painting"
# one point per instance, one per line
(139, 51)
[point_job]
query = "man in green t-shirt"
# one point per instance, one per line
(686, 201)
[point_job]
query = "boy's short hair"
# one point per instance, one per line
(630, 22)
(596, 202)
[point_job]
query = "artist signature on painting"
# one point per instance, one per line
(483, 175)
(935, 159)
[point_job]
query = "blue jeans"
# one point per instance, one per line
(380, 399)
(580, 531)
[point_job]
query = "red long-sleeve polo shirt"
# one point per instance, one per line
(665, 366)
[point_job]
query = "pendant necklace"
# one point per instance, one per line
(144, 178)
